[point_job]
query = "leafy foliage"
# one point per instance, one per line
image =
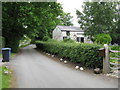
(2, 42)
(35, 20)
(115, 47)
(100, 17)
(66, 19)
(45, 38)
(31, 19)
(86, 54)
(103, 38)
(25, 41)
(68, 40)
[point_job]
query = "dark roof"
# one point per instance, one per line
(70, 28)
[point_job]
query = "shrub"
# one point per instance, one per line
(13, 43)
(68, 40)
(115, 47)
(3, 42)
(45, 38)
(103, 38)
(86, 54)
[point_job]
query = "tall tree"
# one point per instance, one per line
(32, 19)
(48, 19)
(66, 19)
(115, 34)
(98, 17)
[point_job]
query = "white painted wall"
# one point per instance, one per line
(58, 35)
(74, 35)
(63, 33)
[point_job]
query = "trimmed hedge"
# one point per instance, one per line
(68, 40)
(86, 54)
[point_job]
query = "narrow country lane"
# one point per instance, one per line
(34, 70)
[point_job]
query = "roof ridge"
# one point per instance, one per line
(66, 26)
(69, 28)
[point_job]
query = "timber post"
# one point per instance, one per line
(106, 63)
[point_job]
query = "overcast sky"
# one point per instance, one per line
(70, 6)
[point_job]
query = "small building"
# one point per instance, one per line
(74, 33)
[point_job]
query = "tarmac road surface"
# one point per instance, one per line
(35, 70)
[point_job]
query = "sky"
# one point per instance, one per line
(70, 6)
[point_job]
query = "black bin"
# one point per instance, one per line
(6, 54)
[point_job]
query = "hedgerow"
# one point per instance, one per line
(86, 54)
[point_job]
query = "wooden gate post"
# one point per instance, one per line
(106, 63)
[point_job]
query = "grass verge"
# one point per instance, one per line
(24, 45)
(0, 78)
(6, 79)
(12, 55)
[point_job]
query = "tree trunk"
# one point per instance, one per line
(13, 43)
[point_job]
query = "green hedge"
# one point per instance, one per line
(13, 43)
(115, 47)
(3, 42)
(86, 54)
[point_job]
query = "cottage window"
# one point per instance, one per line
(78, 33)
(68, 33)
(64, 38)
(78, 39)
(82, 39)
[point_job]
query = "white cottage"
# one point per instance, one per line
(74, 33)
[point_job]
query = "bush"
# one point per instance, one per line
(115, 47)
(45, 38)
(68, 40)
(86, 54)
(13, 43)
(103, 39)
(3, 42)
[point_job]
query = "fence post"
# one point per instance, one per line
(106, 63)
